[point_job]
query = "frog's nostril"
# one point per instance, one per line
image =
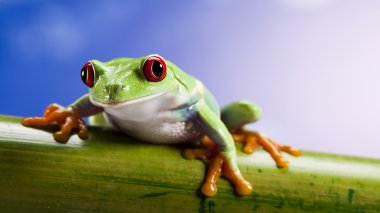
(113, 88)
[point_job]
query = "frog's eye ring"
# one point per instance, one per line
(154, 68)
(87, 74)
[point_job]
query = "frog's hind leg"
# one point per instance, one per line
(235, 116)
(238, 114)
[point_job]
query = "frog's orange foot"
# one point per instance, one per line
(252, 140)
(67, 120)
(217, 166)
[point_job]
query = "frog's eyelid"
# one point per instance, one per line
(97, 71)
(146, 58)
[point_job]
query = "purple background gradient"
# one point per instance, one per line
(313, 65)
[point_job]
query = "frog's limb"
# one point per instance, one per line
(224, 156)
(68, 119)
(216, 166)
(236, 115)
(84, 108)
(252, 139)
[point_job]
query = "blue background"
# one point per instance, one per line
(313, 65)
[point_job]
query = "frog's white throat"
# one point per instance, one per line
(159, 118)
(127, 102)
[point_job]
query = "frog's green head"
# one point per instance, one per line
(125, 79)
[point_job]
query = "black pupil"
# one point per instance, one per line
(157, 69)
(83, 75)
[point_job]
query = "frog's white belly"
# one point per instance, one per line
(156, 120)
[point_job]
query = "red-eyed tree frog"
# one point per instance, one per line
(151, 99)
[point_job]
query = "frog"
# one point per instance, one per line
(152, 100)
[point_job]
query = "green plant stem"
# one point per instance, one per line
(110, 172)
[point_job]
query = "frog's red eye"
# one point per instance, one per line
(87, 74)
(154, 68)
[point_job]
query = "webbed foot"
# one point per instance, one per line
(66, 119)
(251, 140)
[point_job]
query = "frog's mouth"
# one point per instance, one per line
(118, 104)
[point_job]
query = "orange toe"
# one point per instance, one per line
(243, 188)
(281, 162)
(209, 189)
(61, 137)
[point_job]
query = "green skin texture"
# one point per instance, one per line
(121, 80)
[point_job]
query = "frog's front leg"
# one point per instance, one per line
(68, 119)
(221, 154)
